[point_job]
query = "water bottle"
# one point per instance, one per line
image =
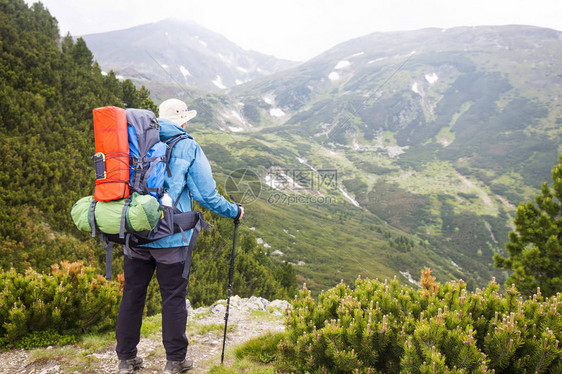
(166, 200)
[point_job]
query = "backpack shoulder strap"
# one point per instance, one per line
(170, 144)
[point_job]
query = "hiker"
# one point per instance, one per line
(191, 178)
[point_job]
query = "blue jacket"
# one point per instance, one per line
(190, 168)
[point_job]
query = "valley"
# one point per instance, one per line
(384, 155)
(438, 145)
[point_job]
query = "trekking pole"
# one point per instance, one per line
(236, 221)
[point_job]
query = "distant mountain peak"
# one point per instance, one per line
(173, 51)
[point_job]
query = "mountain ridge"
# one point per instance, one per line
(171, 51)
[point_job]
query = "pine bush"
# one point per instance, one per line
(72, 299)
(385, 327)
(535, 246)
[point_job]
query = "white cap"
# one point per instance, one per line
(176, 111)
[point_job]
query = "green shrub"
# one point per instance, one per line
(43, 339)
(73, 299)
(381, 327)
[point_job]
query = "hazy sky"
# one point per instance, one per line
(301, 29)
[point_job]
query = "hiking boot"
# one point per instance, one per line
(173, 367)
(128, 366)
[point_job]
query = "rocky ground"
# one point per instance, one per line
(248, 318)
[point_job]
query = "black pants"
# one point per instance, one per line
(173, 289)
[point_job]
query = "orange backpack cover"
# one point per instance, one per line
(112, 153)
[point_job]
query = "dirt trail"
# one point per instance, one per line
(248, 318)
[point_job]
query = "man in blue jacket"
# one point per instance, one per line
(191, 179)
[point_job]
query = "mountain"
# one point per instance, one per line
(180, 53)
(435, 135)
(485, 99)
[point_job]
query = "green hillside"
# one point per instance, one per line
(436, 134)
(315, 227)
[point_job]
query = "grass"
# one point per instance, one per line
(151, 325)
(439, 177)
(42, 355)
(69, 358)
(263, 349)
(514, 182)
(158, 351)
(320, 234)
(264, 315)
(256, 356)
(243, 366)
(75, 357)
(445, 136)
(91, 343)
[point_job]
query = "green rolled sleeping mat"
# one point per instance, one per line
(143, 213)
